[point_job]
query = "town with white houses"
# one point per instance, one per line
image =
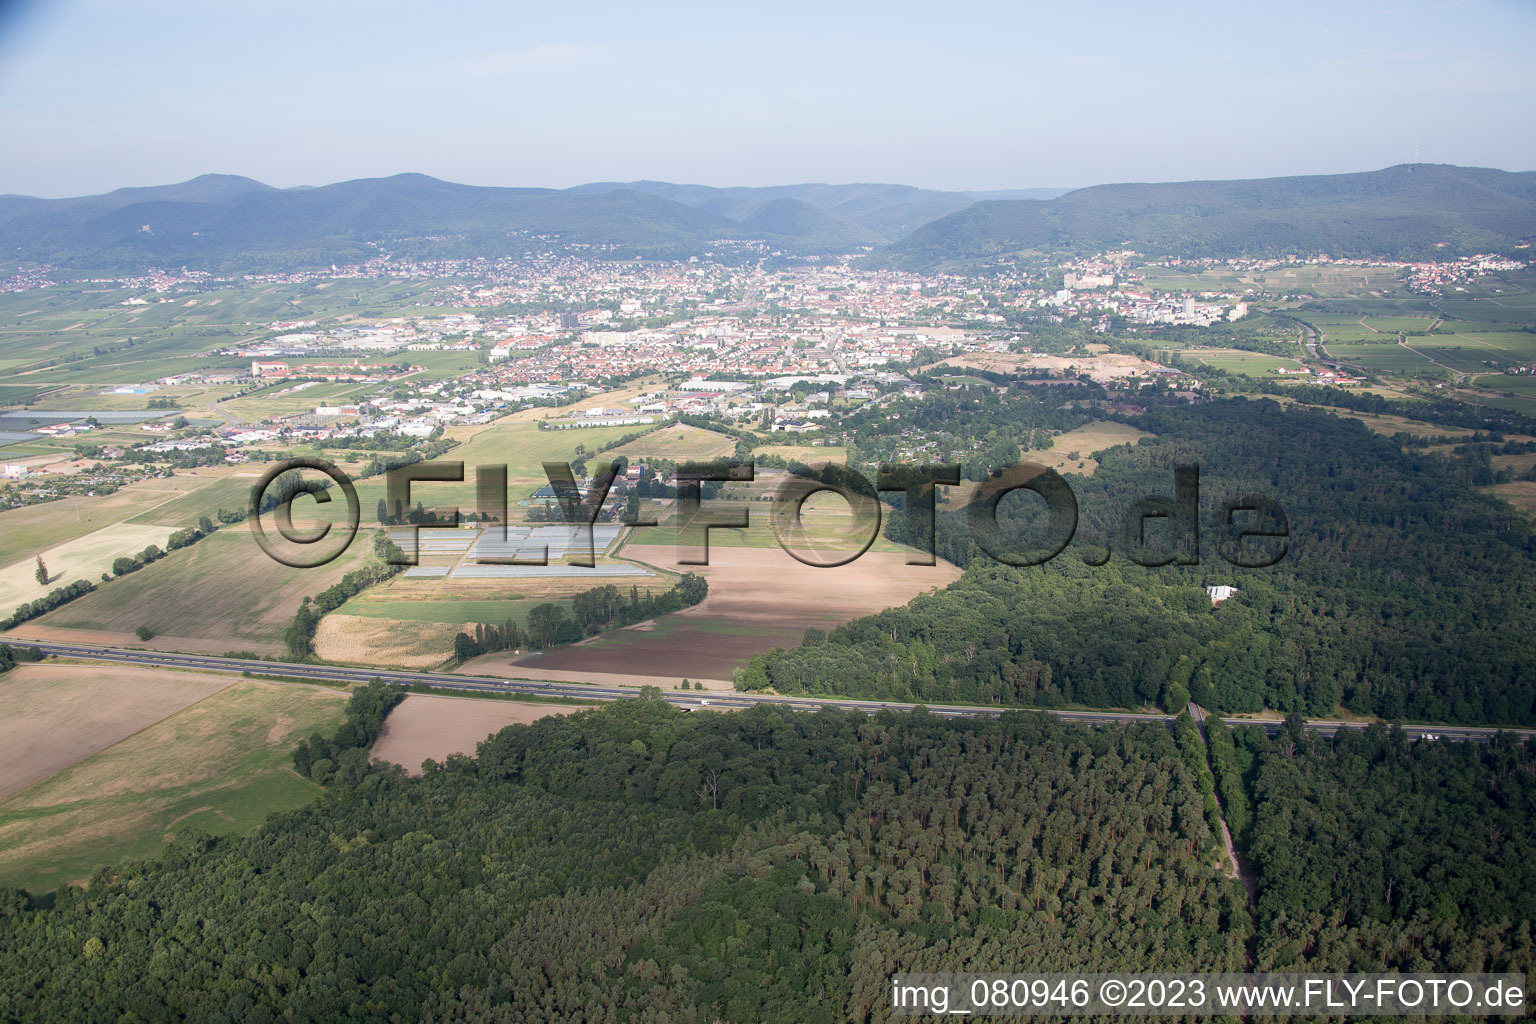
(784, 349)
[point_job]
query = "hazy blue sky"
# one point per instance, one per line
(95, 95)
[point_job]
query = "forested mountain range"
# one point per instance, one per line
(220, 220)
(884, 212)
(1420, 211)
(225, 222)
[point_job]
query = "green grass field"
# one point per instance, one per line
(1344, 329)
(223, 590)
(523, 448)
(1232, 360)
(215, 489)
(222, 765)
(1394, 324)
(459, 611)
(1383, 357)
(39, 527)
(1510, 346)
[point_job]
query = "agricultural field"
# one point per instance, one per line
(1384, 357)
(34, 528)
(678, 442)
(1073, 451)
(1100, 366)
(1522, 385)
(1390, 425)
(1469, 352)
(222, 765)
(1518, 464)
(808, 454)
(84, 558)
(412, 622)
(203, 492)
(758, 599)
(1519, 493)
(220, 594)
(826, 520)
(1325, 281)
(54, 715)
(1512, 346)
(293, 399)
(1241, 361)
(84, 337)
(518, 443)
(432, 726)
(370, 640)
(1493, 307)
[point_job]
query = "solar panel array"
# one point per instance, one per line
(545, 571)
(528, 543)
(433, 542)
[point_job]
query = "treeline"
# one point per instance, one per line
(180, 539)
(210, 454)
(1403, 592)
(343, 757)
(299, 634)
(1443, 411)
(10, 656)
(47, 603)
(1228, 769)
(424, 453)
(591, 612)
(637, 863)
(1192, 748)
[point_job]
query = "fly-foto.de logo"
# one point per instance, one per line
(1250, 530)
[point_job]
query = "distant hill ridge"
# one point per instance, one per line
(220, 221)
(1410, 210)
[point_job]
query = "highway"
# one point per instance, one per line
(689, 700)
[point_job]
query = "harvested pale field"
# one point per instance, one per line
(27, 531)
(1520, 493)
(1084, 441)
(392, 642)
(678, 442)
(1517, 464)
(430, 726)
(805, 453)
(1101, 367)
(759, 598)
(34, 630)
(84, 558)
(223, 765)
(53, 716)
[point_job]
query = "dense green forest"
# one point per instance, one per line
(759, 866)
(636, 863)
(1403, 592)
(1378, 854)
